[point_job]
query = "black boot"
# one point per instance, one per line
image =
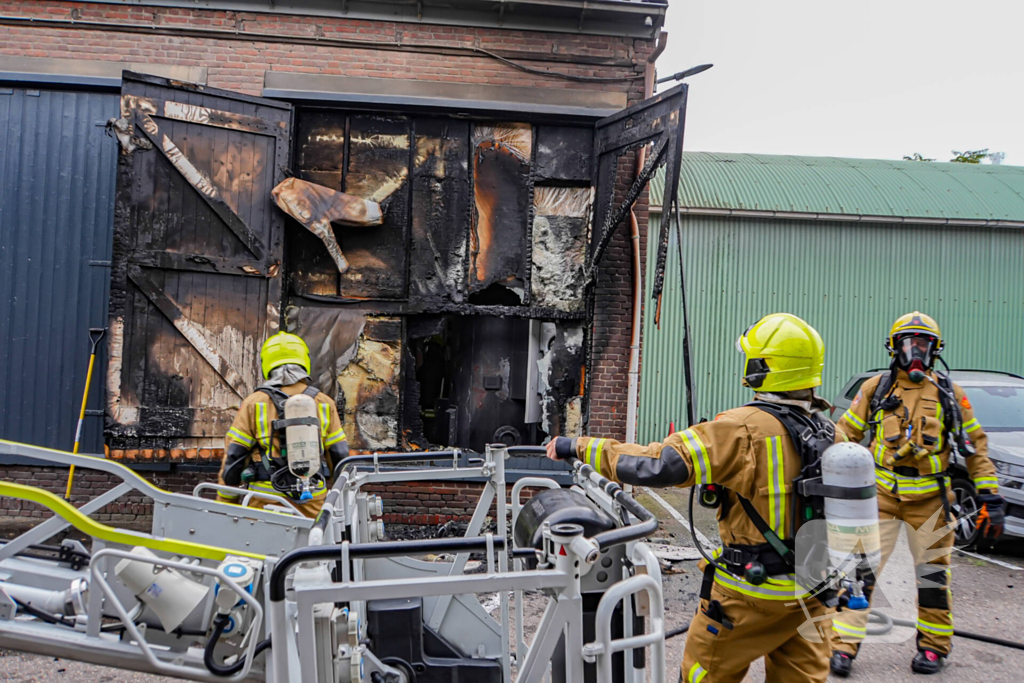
(927, 662)
(841, 663)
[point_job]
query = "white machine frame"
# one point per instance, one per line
(295, 589)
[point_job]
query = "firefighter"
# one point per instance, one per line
(253, 454)
(747, 458)
(915, 417)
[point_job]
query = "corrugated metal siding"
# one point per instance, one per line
(868, 187)
(56, 214)
(849, 280)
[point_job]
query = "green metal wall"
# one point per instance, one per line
(848, 280)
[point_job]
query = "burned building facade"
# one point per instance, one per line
(435, 201)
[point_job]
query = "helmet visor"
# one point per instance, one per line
(915, 348)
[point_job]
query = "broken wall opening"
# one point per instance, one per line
(486, 379)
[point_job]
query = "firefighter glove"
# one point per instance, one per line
(561, 448)
(992, 516)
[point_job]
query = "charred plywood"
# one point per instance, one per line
(332, 335)
(320, 144)
(502, 187)
(368, 394)
(321, 147)
(378, 169)
(561, 228)
(564, 155)
(440, 209)
(560, 378)
(489, 380)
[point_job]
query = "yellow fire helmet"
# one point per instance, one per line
(283, 348)
(914, 323)
(783, 353)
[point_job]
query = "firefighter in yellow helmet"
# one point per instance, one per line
(254, 448)
(750, 604)
(915, 417)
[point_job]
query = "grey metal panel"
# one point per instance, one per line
(56, 211)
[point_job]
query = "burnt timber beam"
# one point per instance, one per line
(196, 334)
(206, 190)
(384, 307)
(201, 263)
(193, 113)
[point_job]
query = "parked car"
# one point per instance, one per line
(998, 401)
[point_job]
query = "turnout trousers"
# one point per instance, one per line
(760, 628)
(931, 549)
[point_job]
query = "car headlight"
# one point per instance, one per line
(1010, 475)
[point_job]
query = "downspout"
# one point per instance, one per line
(638, 278)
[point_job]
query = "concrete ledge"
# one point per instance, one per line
(89, 72)
(462, 96)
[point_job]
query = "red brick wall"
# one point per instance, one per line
(240, 65)
(421, 503)
(128, 510)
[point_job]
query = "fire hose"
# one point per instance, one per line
(887, 622)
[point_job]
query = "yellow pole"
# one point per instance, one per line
(85, 399)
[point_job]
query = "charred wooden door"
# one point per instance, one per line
(197, 258)
(658, 121)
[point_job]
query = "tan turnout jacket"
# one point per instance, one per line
(253, 429)
(918, 418)
(746, 450)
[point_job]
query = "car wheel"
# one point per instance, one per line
(967, 501)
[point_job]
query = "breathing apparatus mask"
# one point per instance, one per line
(915, 355)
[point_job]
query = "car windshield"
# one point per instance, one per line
(997, 407)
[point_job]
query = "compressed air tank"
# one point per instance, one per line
(852, 520)
(302, 440)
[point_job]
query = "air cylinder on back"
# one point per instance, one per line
(853, 540)
(302, 440)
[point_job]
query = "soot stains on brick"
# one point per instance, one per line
(502, 185)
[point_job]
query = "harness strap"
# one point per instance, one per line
(740, 555)
(762, 526)
(277, 397)
(952, 420)
(292, 421)
(707, 582)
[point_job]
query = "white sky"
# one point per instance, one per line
(872, 79)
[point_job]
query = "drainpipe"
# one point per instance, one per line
(638, 278)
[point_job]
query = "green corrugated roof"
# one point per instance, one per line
(852, 187)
